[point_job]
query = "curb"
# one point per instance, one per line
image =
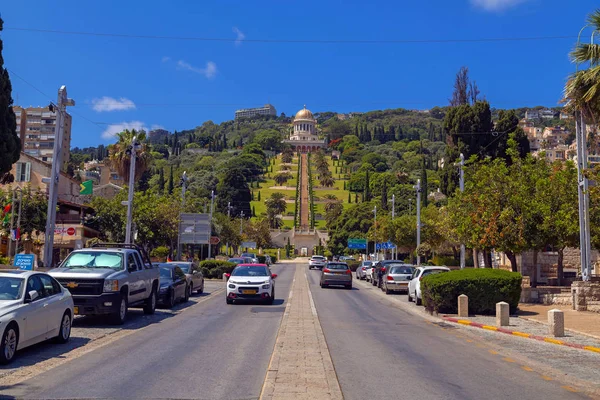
(566, 329)
(521, 334)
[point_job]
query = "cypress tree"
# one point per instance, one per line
(384, 196)
(253, 212)
(356, 197)
(161, 181)
(259, 196)
(349, 198)
(367, 192)
(424, 189)
(171, 183)
(10, 142)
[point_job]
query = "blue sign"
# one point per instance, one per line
(24, 261)
(385, 246)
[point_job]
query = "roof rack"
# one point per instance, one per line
(132, 246)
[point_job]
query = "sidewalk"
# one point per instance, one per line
(584, 322)
(301, 366)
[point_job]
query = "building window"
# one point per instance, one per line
(23, 172)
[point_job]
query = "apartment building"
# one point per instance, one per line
(36, 127)
(267, 109)
(555, 136)
(540, 114)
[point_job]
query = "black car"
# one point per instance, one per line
(173, 285)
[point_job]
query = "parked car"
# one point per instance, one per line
(336, 274)
(238, 260)
(414, 286)
(346, 258)
(252, 257)
(369, 271)
(194, 276)
(33, 307)
(381, 266)
(173, 285)
(397, 277)
(109, 278)
(317, 262)
(251, 282)
(361, 271)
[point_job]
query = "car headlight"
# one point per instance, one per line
(267, 286)
(111, 285)
(231, 286)
(163, 289)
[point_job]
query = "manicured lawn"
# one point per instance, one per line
(266, 192)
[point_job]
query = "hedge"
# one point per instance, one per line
(484, 287)
(214, 269)
(353, 265)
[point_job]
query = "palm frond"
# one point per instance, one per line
(594, 20)
(586, 53)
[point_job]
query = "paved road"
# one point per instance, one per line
(210, 351)
(382, 352)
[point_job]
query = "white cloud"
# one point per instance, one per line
(240, 36)
(496, 5)
(209, 71)
(166, 59)
(111, 131)
(110, 104)
(156, 126)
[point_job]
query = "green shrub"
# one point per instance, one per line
(214, 269)
(444, 261)
(262, 259)
(484, 287)
(160, 251)
(353, 265)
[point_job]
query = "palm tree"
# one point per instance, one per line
(119, 154)
(327, 181)
(331, 202)
(282, 178)
(582, 90)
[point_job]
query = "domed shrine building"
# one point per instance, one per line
(304, 137)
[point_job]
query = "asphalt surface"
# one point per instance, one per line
(209, 351)
(382, 352)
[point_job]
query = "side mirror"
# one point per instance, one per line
(31, 296)
(273, 276)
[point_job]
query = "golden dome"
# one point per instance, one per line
(304, 114)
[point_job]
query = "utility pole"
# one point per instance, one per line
(375, 230)
(212, 200)
(394, 250)
(12, 223)
(241, 222)
(228, 217)
(133, 153)
(183, 183)
(462, 189)
(418, 220)
(62, 102)
(583, 196)
(18, 230)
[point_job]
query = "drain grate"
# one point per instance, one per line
(267, 309)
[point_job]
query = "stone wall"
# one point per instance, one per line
(547, 264)
(586, 296)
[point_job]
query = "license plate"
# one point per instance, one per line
(248, 291)
(403, 283)
(76, 310)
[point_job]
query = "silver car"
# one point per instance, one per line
(337, 274)
(361, 271)
(194, 276)
(397, 277)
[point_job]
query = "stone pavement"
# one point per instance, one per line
(584, 322)
(301, 366)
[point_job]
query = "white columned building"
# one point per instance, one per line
(304, 137)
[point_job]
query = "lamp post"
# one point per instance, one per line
(212, 200)
(62, 102)
(183, 183)
(394, 250)
(418, 188)
(375, 231)
(462, 189)
(133, 153)
(228, 217)
(241, 222)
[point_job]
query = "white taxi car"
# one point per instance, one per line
(251, 282)
(33, 307)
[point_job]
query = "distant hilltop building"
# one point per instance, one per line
(267, 109)
(540, 114)
(304, 137)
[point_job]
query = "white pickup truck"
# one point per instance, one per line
(108, 278)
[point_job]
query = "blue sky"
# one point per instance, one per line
(178, 84)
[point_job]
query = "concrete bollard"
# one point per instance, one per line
(502, 316)
(463, 306)
(556, 321)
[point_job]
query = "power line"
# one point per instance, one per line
(299, 41)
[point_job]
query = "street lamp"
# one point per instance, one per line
(418, 188)
(132, 151)
(375, 231)
(183, 183)
(461, 183)
(62, 102)
(394, 250)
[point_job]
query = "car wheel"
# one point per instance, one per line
(417, 299)
(272, 298)
(201, 290)
(386, 290)
(186, 296)
(121, 315)
(349, 287)
(64, 330)
(9, 344)
(150, 305)
(409, 296)
(229, 301)
(171, 301)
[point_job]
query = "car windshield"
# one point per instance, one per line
(401, 270)
(184, 267)
(250, 255)
(11, 288)
(318, 258)
(337, 266)
(166, 272)
(250, 271)
(433, 271)
(94, 259)
(367, 263)
(236, 260)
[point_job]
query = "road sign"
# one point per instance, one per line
(357, 243)
(214, 240)
(385, 246)
(249, 245)
(24, 261)
(195, 228)
(71, 231)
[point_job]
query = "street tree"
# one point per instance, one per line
(120, 154)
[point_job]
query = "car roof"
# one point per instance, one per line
(252, 265)
(167, 265)
(179, 262)
(18, 272)
(434, 267)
